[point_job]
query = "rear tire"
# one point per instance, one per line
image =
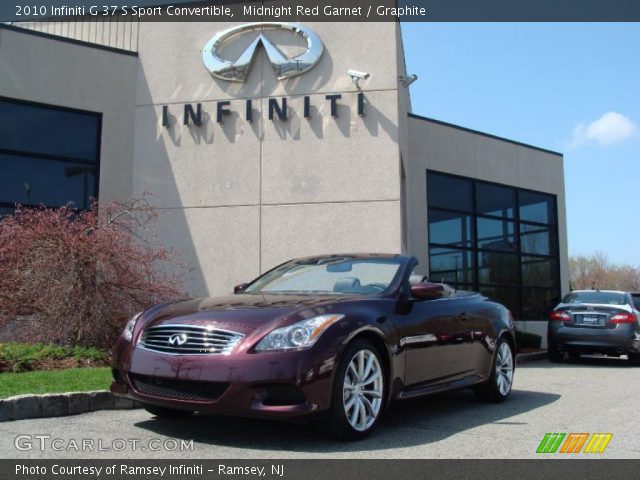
(634, 359)
(555, 355)
(498, 387)
(162, 412)
(358, 395)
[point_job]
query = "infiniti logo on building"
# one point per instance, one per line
(238, 70)
(178, 339)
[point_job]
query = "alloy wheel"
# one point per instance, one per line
(362, 390)
(504, 369)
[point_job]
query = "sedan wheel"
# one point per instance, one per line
(498, 387)
(358, 395)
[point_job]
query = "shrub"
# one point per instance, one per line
(21, 357)
(83, 273)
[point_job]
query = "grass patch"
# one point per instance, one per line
(21, 357)
(54, 381)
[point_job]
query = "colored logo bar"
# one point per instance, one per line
(574, 442)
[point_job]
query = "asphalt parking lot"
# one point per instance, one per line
(591, 395)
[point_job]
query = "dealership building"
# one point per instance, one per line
(265, 142)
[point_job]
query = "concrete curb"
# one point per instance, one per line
(531, 357)
(22, 407)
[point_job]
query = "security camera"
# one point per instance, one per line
(356, 75)
(406, 81)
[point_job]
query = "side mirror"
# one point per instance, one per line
(427, 291)
(240, 287)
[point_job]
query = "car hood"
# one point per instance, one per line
(244, 313)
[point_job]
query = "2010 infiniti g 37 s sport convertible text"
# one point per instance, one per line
(337, 337)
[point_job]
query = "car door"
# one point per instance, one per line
(434, 340)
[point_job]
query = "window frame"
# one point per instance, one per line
(476, 250)
(57, 158)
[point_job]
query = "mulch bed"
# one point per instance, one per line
(55, 364)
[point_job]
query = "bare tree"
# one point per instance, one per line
(597, 271)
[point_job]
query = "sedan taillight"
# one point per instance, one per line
(623, 318)
(560, 316)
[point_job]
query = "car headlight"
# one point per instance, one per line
(299, 335)
(128, 328)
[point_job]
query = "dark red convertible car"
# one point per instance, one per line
(336, 337)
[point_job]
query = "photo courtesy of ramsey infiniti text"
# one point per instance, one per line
(335, 337)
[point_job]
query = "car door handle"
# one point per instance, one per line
(463, 317)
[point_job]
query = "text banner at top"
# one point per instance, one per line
(322, 10)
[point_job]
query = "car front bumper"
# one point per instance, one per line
(237, 384)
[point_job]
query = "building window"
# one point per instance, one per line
(499, 240)
(48, 155)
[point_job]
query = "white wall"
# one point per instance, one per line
(246, 196)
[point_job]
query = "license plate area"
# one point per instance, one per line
(590, 320)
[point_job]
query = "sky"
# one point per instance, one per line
(568, 87)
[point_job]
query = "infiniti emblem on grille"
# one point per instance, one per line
(178, 339)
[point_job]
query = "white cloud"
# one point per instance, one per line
(609, 129)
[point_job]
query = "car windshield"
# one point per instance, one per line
(602, 298)
(329, 275)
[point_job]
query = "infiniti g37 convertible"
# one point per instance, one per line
(336, 337)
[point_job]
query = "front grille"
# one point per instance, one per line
(190, 390)
(189, 339)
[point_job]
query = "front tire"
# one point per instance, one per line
(498, 387)
(162, 412)
(633, 359)
(358, 392)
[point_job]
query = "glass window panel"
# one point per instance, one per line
(538, 303)
(35, 181)
(466, 287)
(496, 267)
(48, 131)
(509, 297)
(537, 239)
(449, 192)
(451, 266)
(447, 228)
(495, 200)
(537, 207)
(539, 272)
(496, 234)
(6, 211)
